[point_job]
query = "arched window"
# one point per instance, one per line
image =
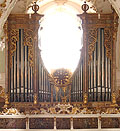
(61, 38)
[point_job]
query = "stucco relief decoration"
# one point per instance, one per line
(28, 41)
(92, 38)
(108, 42)
(2, 6)
(14, 36)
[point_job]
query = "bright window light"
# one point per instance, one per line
(60, 39)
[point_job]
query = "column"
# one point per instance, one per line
(99, 122)
(54, 123)
(71, 123)
(27, 123)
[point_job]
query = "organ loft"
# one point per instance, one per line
(33, 98)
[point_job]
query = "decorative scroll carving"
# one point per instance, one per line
(92, 38)
(14, 36)
(108, 42)
(28, 41)
(62, 81)
(10, 111)
(47, 108)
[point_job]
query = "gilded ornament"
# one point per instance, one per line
(57, 89)
(61, 77)
(92, 38)
(35, 99)
(85, 98)
(28, 41)
(14, 37)
(108, 42)
(114, 99)
(10, 111)
(6, 99)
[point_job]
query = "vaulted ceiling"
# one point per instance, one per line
(21, 6)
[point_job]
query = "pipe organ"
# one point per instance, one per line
(92, 81)
(77, 84)
(99, 71)
(44, 84)
(21, 69)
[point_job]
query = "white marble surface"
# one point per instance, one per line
(61, 116)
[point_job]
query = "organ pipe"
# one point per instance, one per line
(101, 68)
(92, 76)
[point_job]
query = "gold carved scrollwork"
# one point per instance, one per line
(28, 41)
(14, 36)
(108, 42)
(92, 38)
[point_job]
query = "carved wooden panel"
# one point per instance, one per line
(63, 123)
(41, 123)
(110, 123)
(12, 123)
(85, 123)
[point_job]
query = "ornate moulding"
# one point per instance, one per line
(66, 108)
